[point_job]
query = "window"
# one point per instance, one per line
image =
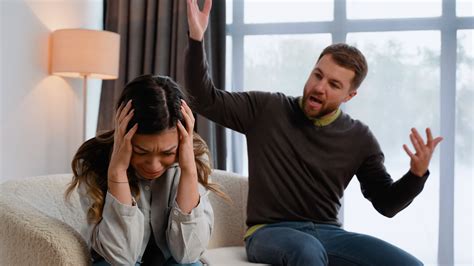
(403, 80)
(420, 58)
(464, 159)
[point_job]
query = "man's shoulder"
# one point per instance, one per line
(272, 98)
(356, 124)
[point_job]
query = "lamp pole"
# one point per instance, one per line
(84, 108)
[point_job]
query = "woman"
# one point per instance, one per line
(143, 185)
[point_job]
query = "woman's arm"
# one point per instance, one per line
(118, 236)
(117, 180)
(188, 234)
(188, 194)
(191, 218)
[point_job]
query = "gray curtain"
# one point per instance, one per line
(153, 40)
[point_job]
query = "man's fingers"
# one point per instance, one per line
(417, 136)
(207, 7)
(415, 143)
(429, 137)
(436, 141)
(422, 147)
(407, 150)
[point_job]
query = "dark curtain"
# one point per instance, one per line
(153, 39)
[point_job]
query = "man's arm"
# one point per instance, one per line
(390, 197)
(238, 110)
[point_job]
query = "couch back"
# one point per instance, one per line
(44, 195)
(229, 219)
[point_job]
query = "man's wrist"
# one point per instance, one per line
(418, 173)
(196, 37)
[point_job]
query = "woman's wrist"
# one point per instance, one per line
(189, 173)
(117, 176)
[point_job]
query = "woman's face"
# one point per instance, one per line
(153, 154)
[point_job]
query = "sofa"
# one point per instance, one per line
(37, 227)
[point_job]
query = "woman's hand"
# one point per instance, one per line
(188, 193)
(186, 149)
(122, 150)
(198, 20)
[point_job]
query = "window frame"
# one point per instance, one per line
(447, 24)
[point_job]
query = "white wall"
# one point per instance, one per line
(40, 114)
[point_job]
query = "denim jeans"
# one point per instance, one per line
(307, 243)
(169, 262)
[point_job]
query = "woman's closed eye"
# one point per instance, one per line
(139, 152)
(169, 153)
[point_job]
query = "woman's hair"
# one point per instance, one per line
(156, 101)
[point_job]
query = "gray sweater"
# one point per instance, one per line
(122, 235)
(298, 171)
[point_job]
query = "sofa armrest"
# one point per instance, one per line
(229, 219)
(30, 237)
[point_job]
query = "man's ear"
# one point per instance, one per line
(352, 93)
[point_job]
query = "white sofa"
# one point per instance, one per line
(37, 227)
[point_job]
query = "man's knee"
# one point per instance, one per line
(412, 261)
(307, 255)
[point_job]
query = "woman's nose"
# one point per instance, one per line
(155, 164)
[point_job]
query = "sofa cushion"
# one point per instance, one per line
(227, 256)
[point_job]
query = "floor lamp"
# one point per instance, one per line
(83, 53)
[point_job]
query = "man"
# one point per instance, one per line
(302, 153)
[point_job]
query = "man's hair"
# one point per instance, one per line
(348, 57)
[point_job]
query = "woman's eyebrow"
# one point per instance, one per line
(171, 148)
(141, 148)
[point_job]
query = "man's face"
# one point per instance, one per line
(327, 87)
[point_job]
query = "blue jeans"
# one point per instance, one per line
(307, 243)
(169, 262)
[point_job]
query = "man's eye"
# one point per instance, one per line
(169, 153)
(139, 153)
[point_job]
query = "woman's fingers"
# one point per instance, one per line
(182, 131)
(128, 137)
(124, 112)
(118, 112)
(123, 125)
(188, 116)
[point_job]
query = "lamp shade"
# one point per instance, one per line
(83, 52)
